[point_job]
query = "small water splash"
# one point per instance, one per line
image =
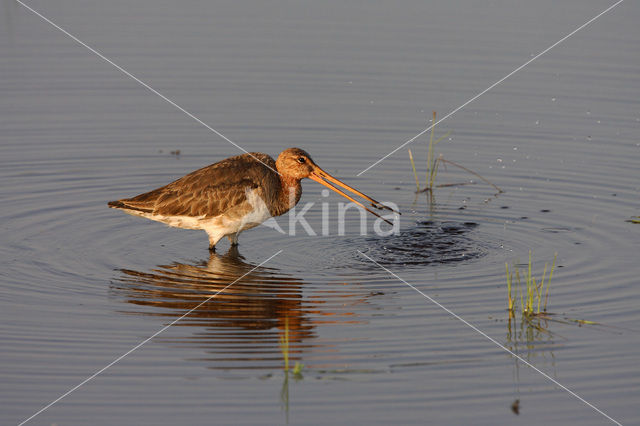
(428, 242)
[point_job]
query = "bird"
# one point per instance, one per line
(236, 194)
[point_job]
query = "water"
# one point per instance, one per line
(82, 284)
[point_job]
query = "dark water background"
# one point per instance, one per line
(81, 284)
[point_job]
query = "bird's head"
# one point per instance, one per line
(296, 163)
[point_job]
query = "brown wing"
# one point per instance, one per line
(209, 191)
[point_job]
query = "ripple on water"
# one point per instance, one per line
(428, 242)
(421, 243)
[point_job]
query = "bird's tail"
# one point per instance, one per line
(122, 204)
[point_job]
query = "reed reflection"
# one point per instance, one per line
(240, 327)
(529, 338)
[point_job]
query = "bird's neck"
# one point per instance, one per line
(289, 195)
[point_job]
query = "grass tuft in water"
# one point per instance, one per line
(534, 296)
(433, 163)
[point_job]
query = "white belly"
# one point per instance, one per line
(251, 213)
(229, 223)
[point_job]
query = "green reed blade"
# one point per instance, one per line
(522, 305)
(539, 290)
(509, 299)
(553, 265)
(415, 174)
(441, 138)
(434, 171)
(284, 344)
(430, 152)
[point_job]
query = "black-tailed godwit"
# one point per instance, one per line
(235, 194)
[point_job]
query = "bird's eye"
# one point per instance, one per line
(301, 160)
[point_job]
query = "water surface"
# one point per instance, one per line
(81, 284)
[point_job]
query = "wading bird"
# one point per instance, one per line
(235, 194)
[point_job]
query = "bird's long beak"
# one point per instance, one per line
(324, 178)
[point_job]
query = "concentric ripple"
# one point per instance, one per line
(428, 242)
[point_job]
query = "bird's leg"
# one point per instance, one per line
(233, 238)
(213, 240)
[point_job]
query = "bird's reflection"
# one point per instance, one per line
(238, 328)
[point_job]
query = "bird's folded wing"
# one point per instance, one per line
(206, 192)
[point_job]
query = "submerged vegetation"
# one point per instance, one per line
(433, 164)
